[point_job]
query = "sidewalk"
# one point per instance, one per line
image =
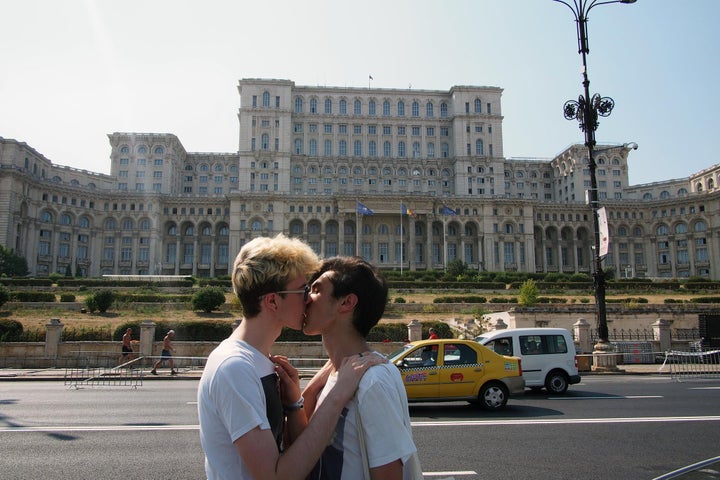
(58, 374)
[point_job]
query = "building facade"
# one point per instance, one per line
(428, 164)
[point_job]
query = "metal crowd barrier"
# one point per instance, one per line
(688, 365)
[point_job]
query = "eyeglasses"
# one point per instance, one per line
(305, 291)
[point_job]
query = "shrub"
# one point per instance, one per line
(91, 303)
(67, 297)
(104, 300)
(10, 330)
(4, 296)
(529, 291)
(208, 299)
(399, 300)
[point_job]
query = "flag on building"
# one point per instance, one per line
(604, 232)
(445, 210)
(406, 211)
(363, 210)
(370, 77)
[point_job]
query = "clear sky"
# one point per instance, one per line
(74, 71)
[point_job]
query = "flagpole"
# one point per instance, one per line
(401, 239)
(444, 244)
(357, 230)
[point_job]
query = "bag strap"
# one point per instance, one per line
(361, 440)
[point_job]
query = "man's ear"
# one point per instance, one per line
(269, 301)
(348, 303)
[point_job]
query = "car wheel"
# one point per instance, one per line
(556, 382)
(493, 396)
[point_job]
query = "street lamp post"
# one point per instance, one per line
(586, 111)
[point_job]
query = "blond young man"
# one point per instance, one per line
(251, 420)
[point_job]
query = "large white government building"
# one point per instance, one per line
(308, 156)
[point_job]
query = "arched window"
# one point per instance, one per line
(699, 226)
(371, 107)
(144, 224)
(387, 149)
(313, 105)
(328, 106)
(189, 231)
(65, 219)
(372, 148)
(401, 109)
(431, 150)
(429, 110)
(159, 150)
(172, 230)
(265, 141)
(357, 108)
(386, 108)
(84, 222)
(128, 224)
(343, 107)
(415, 109)
(256, 226)
(298, 105)
(443, 110)
(478, 106)
(401, 149)
(681, 228)
(206, 231)
(109, 224)
(266, 99)
(662, 230)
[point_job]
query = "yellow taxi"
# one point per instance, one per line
(451, 369)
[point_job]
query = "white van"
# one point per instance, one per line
(548, 355)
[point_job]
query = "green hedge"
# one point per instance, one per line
(460, 299)
(31, 296)
(122, 297)
(193, 331)
(26, 282)
(101, 283)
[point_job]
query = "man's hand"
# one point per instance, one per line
(289, 379)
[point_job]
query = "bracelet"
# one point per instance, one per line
(295, 406)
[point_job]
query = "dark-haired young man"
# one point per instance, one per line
(348, 299)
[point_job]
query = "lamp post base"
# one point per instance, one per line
(604, 358)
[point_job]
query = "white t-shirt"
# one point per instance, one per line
(231, 402)
(386, 422)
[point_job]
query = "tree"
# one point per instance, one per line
(456, 268)
(11, 264)
(528, 295)
(104, 300)
(208, 299)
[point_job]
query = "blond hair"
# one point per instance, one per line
(266, 265)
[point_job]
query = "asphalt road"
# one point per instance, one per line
(619, 427)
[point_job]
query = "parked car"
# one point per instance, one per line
(548, 355)
(451, 369)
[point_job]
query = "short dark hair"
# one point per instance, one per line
(355, 275)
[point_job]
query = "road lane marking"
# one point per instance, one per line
(607, 397)
(567, 421)
(450, 473)
(100, 428)
(470, 423)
